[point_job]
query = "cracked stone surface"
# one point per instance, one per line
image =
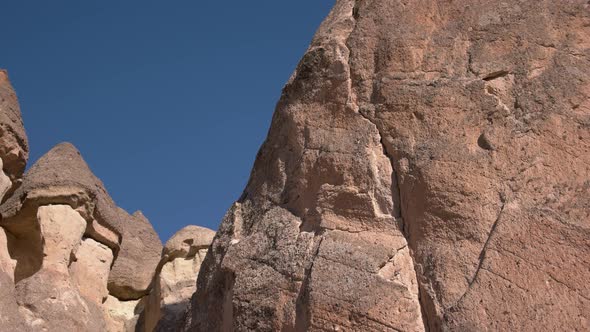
(426, 168)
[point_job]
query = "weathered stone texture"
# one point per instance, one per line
(14, 149)
(62, 177)
(426, 168)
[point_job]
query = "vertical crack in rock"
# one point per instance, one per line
(302, 319)
(396, 195)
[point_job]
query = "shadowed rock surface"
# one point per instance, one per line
(427, 168)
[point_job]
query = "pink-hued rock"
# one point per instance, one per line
(426, 168)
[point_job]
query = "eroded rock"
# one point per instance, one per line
(14, 149)
(49, 299)
(90, 269)
(62, 177)
(64, 244)
(122, 316)
(176, 280)
(457, 129)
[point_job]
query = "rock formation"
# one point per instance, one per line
(14, 149)
(427, 168)
(176, 278)
(71, 246)
(70, 259)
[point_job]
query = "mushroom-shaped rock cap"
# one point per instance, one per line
(187, 241)
(14, 148)
(62, 177)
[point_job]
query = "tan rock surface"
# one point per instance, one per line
(90, 269)
(49, 299)
(63, 177)
(122, 316)
(459, 129)
(13, 158)
(61, 230)
(175, 283)
(10, 317)
(187, 241)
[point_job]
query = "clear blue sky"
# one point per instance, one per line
(168, 101)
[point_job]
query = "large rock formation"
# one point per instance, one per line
(70, 259)
(427, 168)
(62, 177)
(72, 248)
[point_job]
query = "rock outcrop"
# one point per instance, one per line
(73, 249)
(176, 277)
(427, 168)
(62, 177)
(14, 149)
(70, 259)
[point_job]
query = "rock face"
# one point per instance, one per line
(176, 278)
(427, 168)
(14, 149)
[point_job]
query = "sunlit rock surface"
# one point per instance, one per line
(427, 168)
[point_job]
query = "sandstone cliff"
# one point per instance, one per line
(427, 168)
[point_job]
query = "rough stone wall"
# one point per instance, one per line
(426, 168)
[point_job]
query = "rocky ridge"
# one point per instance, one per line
(426, 169)
(70, 258)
